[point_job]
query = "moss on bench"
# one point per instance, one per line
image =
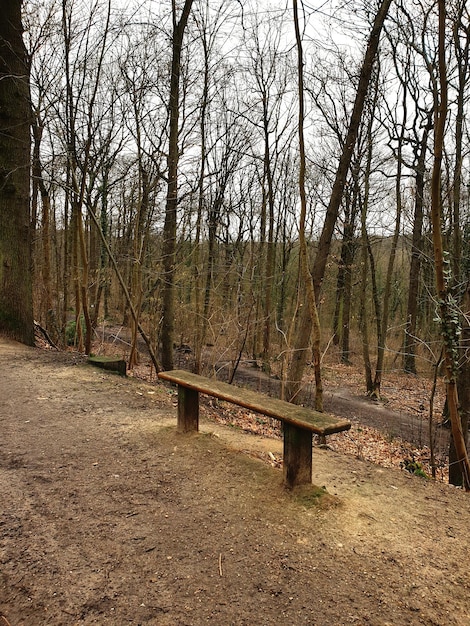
(111, 363)
(306, 418)
(299, 422)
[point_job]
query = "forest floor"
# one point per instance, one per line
(108, 516)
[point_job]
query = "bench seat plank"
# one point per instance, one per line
(304, 418)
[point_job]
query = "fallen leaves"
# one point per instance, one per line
(362, 442)
(404, 394)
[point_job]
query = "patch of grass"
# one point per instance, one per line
(312, 496)
(414, 467)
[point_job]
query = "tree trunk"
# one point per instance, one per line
(456, 476)
(44, 303)
(363, 312)
(449, 330)
(305, 275)
(169, 228)
(305, 326)
(463, 387)
(382, 336)
(345, 271)
(270, 248)
(461, 36)
(16, 301)
(141, 217)
(200, 321)
(321, 257)
(409, 361)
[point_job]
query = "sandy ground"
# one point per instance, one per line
(108, 516)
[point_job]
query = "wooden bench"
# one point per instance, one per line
(111, 363)
(299, 423)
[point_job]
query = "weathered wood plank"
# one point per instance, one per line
(308, 419)
(297, 460)
(299, 422)
(188, 410)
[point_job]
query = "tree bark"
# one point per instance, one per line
(304, 332)
(409, 362)
(463, 388)
(169, 229)
(382, 336)
(334, 204)
(305, 275)
(342, 315)
(447, 314)
(463, 379)
(461, 36)
(39, 188)
(365, 256)
(16, 301)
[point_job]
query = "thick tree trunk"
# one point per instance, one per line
(16, 307)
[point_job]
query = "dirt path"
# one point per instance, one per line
(109, 517)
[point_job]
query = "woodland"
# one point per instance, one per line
(280, 182)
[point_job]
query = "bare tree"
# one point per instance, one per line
(305, 275)
(448, 314)
(169, 230)
(79, 160)
(269, 115)
(305, 324)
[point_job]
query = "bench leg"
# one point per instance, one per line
(297, 456)
(188, 410)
